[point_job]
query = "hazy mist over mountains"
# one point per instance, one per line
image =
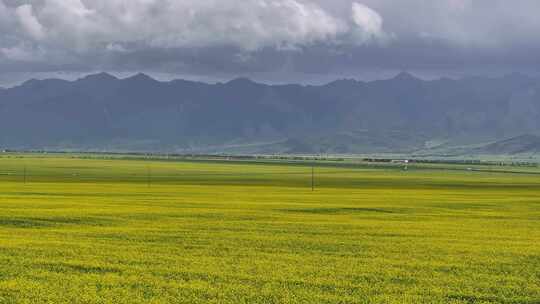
(402, 114)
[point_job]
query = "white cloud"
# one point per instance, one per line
(29, 22)
(114, 47)
(248, 25)
(367, 19)
(21, 54)
(368, 25)
(86, 25)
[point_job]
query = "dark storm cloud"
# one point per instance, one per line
(274, 37)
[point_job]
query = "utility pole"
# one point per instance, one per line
(149, 177)
(24, 174)
(312, 177)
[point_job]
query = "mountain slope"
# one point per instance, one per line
(516, 145)
(346, 116)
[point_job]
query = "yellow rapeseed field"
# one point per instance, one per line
(78, 230)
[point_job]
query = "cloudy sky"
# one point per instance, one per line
(269, 40)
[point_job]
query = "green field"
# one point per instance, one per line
(149, 231)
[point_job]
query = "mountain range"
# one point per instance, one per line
(139, 113)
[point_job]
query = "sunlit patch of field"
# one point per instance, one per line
(133, 231)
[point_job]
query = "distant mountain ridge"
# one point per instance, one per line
(139, 113)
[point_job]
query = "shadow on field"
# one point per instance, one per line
(27, 222)
(77, 268)
(338, 210)
(463, 298)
